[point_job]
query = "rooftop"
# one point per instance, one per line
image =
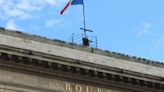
(80, 47)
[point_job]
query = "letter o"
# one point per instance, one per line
(78, 88)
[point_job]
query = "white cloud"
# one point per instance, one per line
(28, 5)
(13, 10)
(145, 28)
(52, 2)
(16, 13)
(51, 23)
(11, 25)
(24, 9)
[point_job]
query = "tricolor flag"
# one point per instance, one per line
(71, 2)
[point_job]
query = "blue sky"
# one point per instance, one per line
(134, 27)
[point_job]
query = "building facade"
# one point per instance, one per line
(30, 63)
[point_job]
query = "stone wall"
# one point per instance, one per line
(83, 56)
(19, 82)
(31, 63)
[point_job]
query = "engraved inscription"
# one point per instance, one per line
(71, 87)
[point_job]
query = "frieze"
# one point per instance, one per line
(76, 46)
(76, 87)
(68, 86)
(71, 87)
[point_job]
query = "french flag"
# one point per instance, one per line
(71, 2)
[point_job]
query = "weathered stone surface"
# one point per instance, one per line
(80, 55)
(27, 83)
(19, 82)
(30, 63)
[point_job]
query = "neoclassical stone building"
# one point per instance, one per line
(30, 63)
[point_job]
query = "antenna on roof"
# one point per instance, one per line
(86, 40)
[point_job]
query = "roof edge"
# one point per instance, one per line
(80, 47)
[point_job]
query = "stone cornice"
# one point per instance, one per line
(78, 47)
(33, 62)
(75, 63)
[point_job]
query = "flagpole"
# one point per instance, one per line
(85, 35)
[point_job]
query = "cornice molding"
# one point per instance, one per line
(81, 48)
(10, 60)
